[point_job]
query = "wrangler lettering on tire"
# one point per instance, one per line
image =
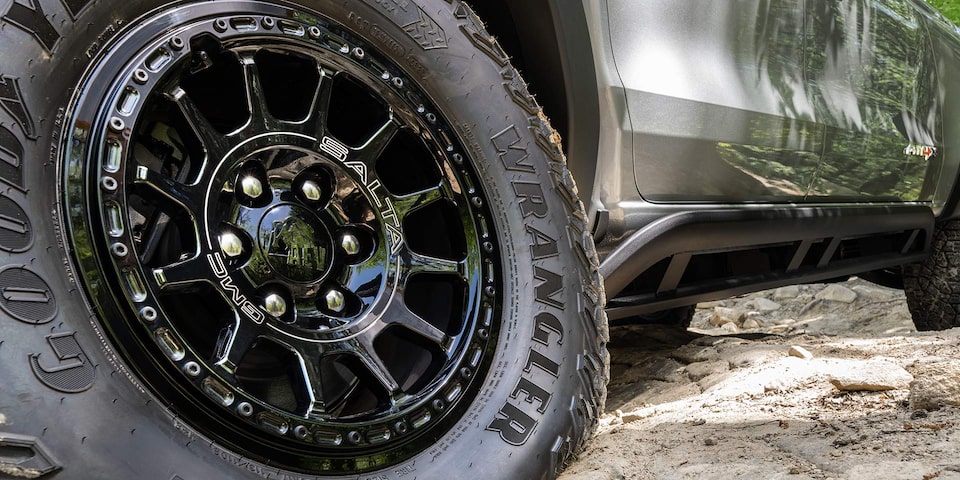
(289, 240)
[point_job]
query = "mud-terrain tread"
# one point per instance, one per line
(932, 286)
(594, 364)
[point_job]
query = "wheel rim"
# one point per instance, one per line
(318, 277)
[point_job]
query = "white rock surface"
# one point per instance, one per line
(751, 323)
(765, 305)
(724, 315)
(837, 293)
(800, 352)
(935, 384)
(782, 293)
(872, 375)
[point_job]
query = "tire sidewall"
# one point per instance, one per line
(115, 428)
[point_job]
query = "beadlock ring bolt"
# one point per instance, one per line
(311, 190)
(350, 244)
(335, 300)
(231, 244)
(148, 314)
(108, 184)
(117, 125)
(275, 305)
(140, 76)
(251, 186)
(119, 250)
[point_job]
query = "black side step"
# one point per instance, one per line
(704, 255)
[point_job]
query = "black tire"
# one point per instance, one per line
(93, 388)
(932, 286)
(679, 318)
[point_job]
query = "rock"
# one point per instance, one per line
(754, 356)
(813, 309)
(672, 393)
(724, 315)
(872, 470)
(877, 294)
(708, 382)
(765, 305)
(935, 384)
(692, 353)
(871, 375)
(800, 352)
(709, 305)
(729, 327)
(633, 417)
(751, 323)
(786, 292)
(775, 385)
(837, 293)
(710, 442)
(700, 370)
(779, 329)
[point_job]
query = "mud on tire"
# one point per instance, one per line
(275, 240)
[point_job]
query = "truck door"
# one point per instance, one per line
(874, 81)
(718, 104)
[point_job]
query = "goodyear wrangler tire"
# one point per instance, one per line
(252, 239)
(931, 286)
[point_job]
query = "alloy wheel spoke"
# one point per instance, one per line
(400, 314)
(403, 205)
(188, 196)
(192, 270)
(316, 125)
(370, 151)
(363, 350)
(214, 144)
(233, 343)
(418, 263)
(260, 118)
(313, 379)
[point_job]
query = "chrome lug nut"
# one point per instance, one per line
(350, 244)
(335, 300)
(275, 305)
(311, 190)
(231, 244)
(251, 186)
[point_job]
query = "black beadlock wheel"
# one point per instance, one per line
(310, 240)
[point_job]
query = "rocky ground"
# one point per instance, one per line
(815, 381)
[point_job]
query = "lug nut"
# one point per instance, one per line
(311, 190)
(350, 244)
(230, 244)
(251, 186)
(275, 305)
(334, 300)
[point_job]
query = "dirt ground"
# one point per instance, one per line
(864, 396)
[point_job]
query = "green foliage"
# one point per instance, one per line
(949, 9)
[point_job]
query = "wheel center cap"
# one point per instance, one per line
(294, 243)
